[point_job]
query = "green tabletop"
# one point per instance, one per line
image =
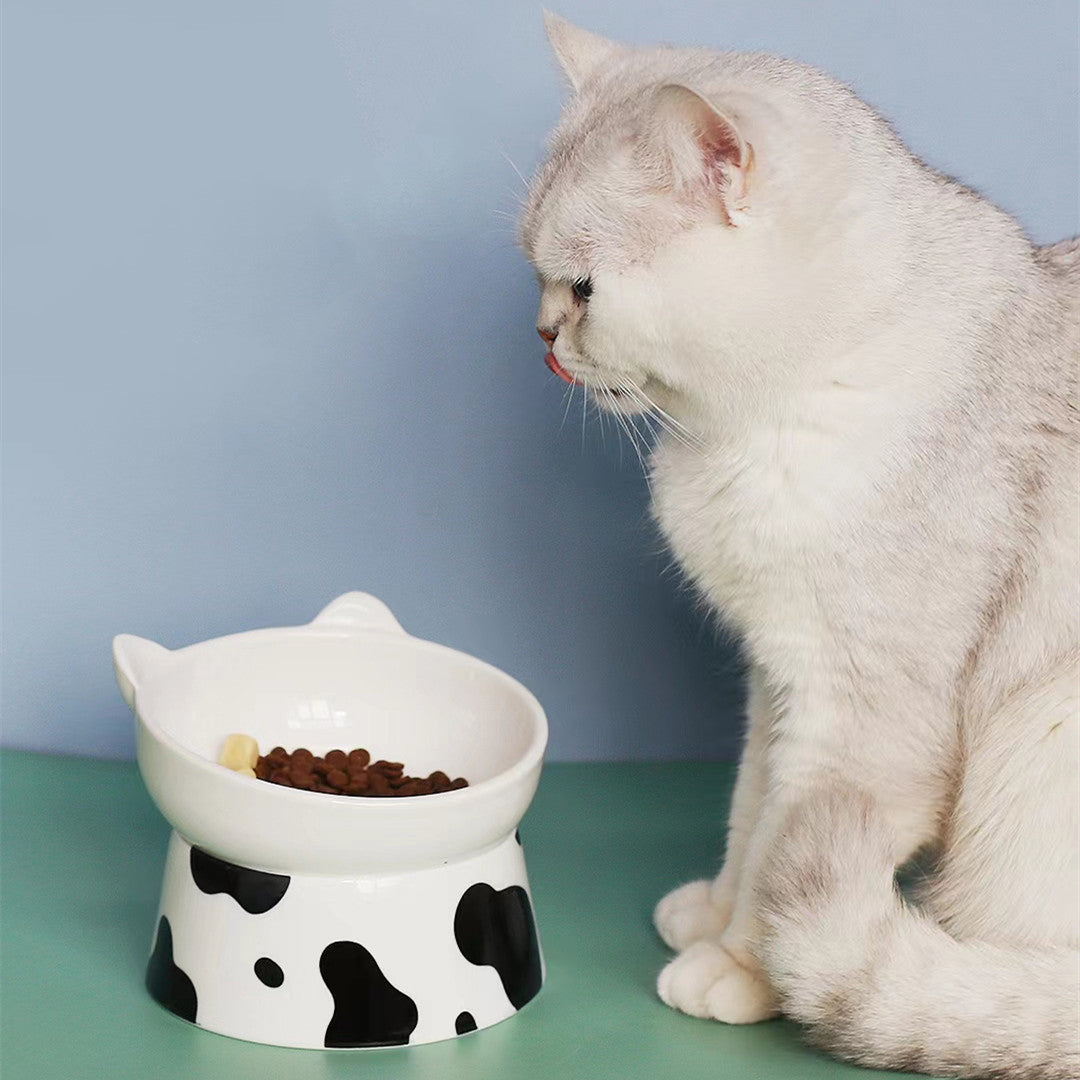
(83, 851)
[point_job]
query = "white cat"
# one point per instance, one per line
(867, 381)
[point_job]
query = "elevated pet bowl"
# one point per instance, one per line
(313, 920)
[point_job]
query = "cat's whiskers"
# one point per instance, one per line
(568, 397)
(678, 431)
(609, 397)
(668, 422)
(525, 183)
(637, 439)
(584, 411)
(616, 416)
(602, 392)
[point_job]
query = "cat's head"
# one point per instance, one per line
(697, 213)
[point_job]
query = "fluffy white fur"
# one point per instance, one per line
(866, 378)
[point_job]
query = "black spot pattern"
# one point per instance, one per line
(168, 984)
(497, 929)
(368, 1009)
(254, 890)
(268, 972)
(464, 1023)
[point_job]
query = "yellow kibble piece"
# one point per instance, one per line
(239, 752)
(247, 772)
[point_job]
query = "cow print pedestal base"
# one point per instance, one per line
(312, 961)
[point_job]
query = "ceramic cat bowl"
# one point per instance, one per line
(306, 919)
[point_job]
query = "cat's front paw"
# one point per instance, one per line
(690, 913)
(706, 981)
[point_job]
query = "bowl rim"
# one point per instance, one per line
(526, 762)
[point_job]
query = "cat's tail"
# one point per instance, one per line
(880, 983)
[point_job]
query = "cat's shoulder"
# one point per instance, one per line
(1062, 257)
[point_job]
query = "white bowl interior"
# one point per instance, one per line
(402, 699)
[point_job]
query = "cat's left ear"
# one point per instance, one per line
(579, 53)
(705, 146)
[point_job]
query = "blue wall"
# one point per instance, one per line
(267, 337)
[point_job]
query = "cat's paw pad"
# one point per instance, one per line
(706, 981)
(689, 914)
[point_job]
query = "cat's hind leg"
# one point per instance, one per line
(984, 978)
(1010, 868)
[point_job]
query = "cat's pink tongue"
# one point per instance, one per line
(558, 369)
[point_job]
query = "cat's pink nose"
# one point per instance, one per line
(547, 335)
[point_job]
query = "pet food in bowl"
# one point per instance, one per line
(336, 773)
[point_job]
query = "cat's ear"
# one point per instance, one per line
(704, 146)
(579, 53)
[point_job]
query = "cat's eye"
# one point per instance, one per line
(582, 289)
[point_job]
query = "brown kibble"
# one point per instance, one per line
(359, 783)
(348, 773)
(302, 778)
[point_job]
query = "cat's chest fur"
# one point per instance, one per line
(757, 522)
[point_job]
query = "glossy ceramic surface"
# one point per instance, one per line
(307, 919)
